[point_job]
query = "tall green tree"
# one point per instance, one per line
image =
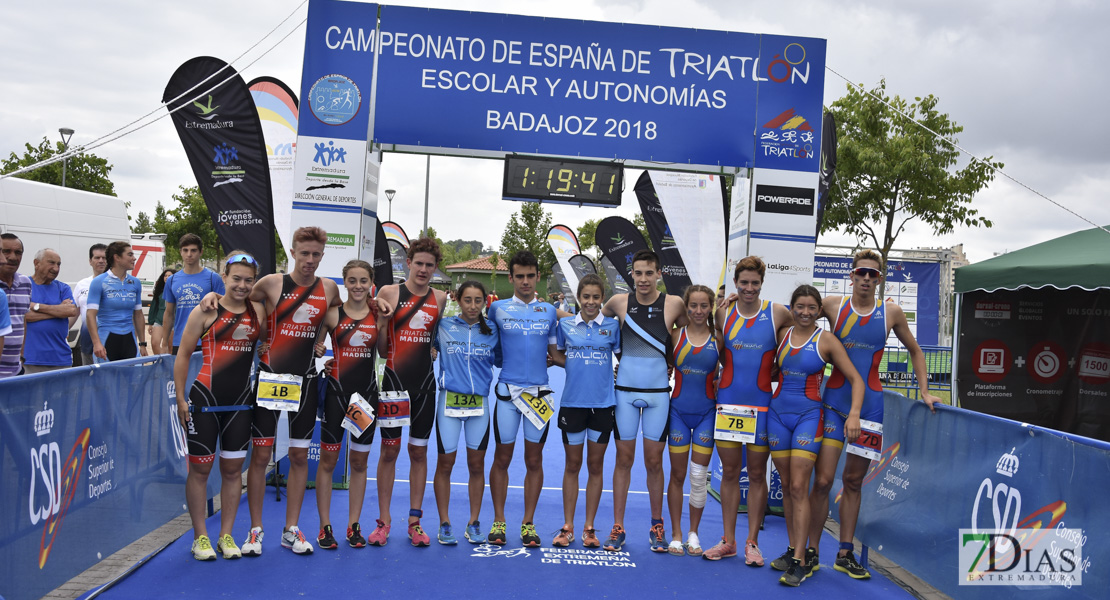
(527, 230)
(84, 171)
(587, 234)
(891, 170)
(640, 224)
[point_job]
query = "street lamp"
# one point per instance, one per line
(389, 194)
(67, 133)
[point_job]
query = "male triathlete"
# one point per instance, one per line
(643, 390)
(527, 329)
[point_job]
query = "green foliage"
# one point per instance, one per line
(640, 224)
(891, 170)
(587, 234)
(527, 230)
(86, 172)
(189, 214)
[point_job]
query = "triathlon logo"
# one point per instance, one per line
(335, 99)
(305, 313)
(420, 321)
(360, 339)
(488, 551)
(788, 135)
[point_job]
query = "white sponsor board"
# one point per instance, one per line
(692, 205)
(783, 229)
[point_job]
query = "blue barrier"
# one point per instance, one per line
(960, 469)
(93, 458)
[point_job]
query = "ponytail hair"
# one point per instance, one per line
(483, 324)
(691, 290)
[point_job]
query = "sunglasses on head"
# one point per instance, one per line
(867, 272)
(242, 258)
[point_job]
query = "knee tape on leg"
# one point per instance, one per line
(699, 477)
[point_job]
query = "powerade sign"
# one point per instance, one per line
(784, 200)
(509, 83)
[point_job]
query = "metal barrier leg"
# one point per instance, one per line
(863, 556)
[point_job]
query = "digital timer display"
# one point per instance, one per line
(569, 181)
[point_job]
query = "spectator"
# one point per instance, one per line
(47, 348)
(159, 343)
(99, 264)
(114, 312)
(186, 287)
(5, 317)
(17, 286)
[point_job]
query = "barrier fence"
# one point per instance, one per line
(956, 469)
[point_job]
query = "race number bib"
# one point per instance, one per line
(279, 391)
(735, 423)
(359, 417)
(870, 442)
(393, 409)
(463, 405)
(534, 408)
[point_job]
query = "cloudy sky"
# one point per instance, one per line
(1025, 79)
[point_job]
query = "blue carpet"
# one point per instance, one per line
(471, 571)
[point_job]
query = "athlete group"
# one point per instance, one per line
(619, 357)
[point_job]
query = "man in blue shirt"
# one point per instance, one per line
(186, 287)
(52, 306)
(527, 329)
(17, 286)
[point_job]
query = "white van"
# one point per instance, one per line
(65, 219)
(150, 261)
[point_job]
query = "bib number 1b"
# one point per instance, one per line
(279, 391)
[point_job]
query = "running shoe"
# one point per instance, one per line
(380, 535)
(782, 563)
(693, 545)
(656, 538)
(253, 545)
(444, 536)
(847, 564)
(795, 573)
(417, 535)
(813, 562)
(563, 538)
(202, 549)
(227, 548)
(589, 538)
(326, 539)
(354, 536)
(497, 533)
(473, 533)
(293, 539)
(752, 556)
(616, 539)
(723, 549)
(528, 536)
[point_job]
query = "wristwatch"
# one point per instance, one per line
(36, 307)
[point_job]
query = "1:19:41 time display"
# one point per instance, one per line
(563, 180)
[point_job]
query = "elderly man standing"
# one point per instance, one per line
(46, 348)
(17, 286)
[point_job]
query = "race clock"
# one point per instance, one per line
(568, 181)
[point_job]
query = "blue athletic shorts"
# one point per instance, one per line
(687, 428)
(449, 428)
(507, 418)
(795, 434)
(652, 408)
(834, 422)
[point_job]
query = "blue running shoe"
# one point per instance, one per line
(474, 533)
(616, 539)
(445, 536)
(655, 537)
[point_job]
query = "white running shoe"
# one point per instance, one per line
(253, 545)
(202, 549)
(293, 539)
(227, 548)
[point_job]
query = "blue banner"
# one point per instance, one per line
(93, 459)
(509, 83)
(915, 286)
(957, 469)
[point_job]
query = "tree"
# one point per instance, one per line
(142, 224)
(83, 171)
(587, 233)
(891, 170)
(527, 230)
(640, 224)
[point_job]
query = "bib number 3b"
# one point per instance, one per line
(279, 391)
(870, 442)
(534, 408)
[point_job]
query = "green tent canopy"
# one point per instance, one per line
(1080, 259)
